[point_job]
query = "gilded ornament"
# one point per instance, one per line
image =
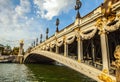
(117, 62)
(118, 16)
(111, 18)
(117, 52)
(64, 38)
(77, 29)
(104, 76)
(117, 56)
(100, 23)
(107, 7)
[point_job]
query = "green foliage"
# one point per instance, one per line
(15, 51)
(7, 50)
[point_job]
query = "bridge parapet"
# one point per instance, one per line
(87, 23)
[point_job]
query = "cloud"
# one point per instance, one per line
(24, 20)
(23, 8)
(16, 25)
(49, 8)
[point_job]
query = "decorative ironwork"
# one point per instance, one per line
(32, 45)
(47, 31)
(36, 41)
(57, 23)
(40, 38)
(77, 7)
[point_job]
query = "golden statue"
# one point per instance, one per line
(117, 62)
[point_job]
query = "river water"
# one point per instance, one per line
(39, 73)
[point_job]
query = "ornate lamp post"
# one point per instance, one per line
(36, 41)
(77, 7)
(40, 38)
(57, 23)
(20, 54)
(32, 45)
(47, 31)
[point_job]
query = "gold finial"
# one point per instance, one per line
(22, 41)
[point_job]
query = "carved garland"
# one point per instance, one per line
(47, 46)
(59, 43)
(113, 27)
(52, 45)
(111, 23)
(89, 35)
(70, 39)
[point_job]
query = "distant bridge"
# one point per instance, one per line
(87, 45)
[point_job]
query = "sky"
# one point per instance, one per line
(27, 19)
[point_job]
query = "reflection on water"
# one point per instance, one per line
(39, 73)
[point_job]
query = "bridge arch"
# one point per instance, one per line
(37, 58)
(73, 64)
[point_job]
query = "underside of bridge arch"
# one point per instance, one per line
(92, 51)
(37, 58)
(73, 49)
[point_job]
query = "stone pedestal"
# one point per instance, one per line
(20, 54)
(20, 59)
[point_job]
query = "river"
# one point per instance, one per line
(39, 73)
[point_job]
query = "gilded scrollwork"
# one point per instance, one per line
(110, 23)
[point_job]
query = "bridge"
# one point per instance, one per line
(89, 45)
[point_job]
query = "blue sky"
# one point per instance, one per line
(27, 19)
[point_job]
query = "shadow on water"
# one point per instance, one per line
(53, 73)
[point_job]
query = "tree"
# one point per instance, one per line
(15, 51)
(7, 50)
(1, 49)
